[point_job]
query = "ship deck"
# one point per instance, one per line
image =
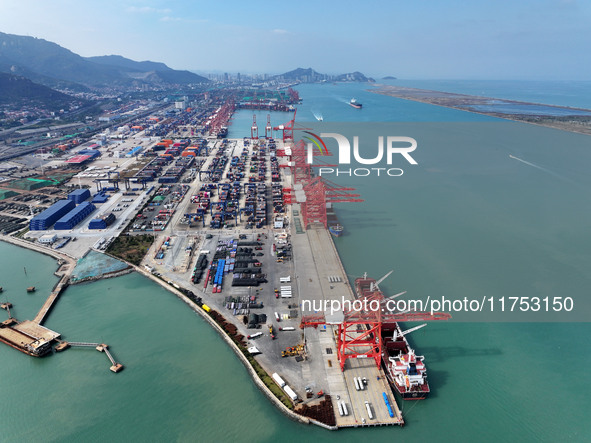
(27, 335)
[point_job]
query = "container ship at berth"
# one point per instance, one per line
(355, 104)
(406, 371)
(334, 226)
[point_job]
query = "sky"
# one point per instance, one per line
(429, 39)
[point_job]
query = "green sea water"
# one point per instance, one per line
(490, 381)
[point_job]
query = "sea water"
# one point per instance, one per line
(450, 228)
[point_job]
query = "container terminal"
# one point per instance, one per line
(241, 226)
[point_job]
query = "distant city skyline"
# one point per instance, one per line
(529, 39)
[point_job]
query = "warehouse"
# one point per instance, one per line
(48, 217)
(75, 216)
(79, 195)
(48, 239)
(102, 222)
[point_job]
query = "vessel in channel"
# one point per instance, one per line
(355, 104)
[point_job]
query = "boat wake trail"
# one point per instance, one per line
(318, 116)
(540, 168)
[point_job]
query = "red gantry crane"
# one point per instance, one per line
(359, 333)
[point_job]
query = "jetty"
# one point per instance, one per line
(61, 285)
(30, 336)
(101, 347)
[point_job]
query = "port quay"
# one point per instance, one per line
(239, 230)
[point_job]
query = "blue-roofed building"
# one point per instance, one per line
(135, 151)
(79, 195)
(102, 222)
(75, 216)
(47, 218)
(100, 197)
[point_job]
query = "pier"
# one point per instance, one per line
(101, 347)
(317, 258)
(62, 284)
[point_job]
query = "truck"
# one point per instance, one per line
(369, 412)
(290, 393)
(278, 379)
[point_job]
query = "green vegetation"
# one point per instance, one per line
(21, 234)
(18, 90)
(266, 379)
(238, 338)
(131, 248)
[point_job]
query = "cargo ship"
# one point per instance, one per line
(27, 337)
(355, 104)
(336, 230)
(406, 372)
(334, 226)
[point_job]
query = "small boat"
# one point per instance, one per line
(31, 289)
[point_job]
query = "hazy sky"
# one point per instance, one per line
(468, 39)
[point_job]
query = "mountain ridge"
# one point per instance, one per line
(51, 64)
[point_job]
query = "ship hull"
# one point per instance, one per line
(364, 287)
(355, 106)
(335, 231)
(23, 350)
(414, 395)
(401, 390)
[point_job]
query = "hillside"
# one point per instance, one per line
(309, 75)
(50, 64)
(16, 90)
(162, 72)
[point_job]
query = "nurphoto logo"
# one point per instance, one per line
(394, 145)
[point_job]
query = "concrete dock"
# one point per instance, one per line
(316, 260)
(61, 285)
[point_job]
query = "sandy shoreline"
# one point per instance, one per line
(572, 123)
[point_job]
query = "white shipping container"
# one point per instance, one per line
(290, 392)
(361, 385)
(368, 407)
(345, 409)
(278, 379)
